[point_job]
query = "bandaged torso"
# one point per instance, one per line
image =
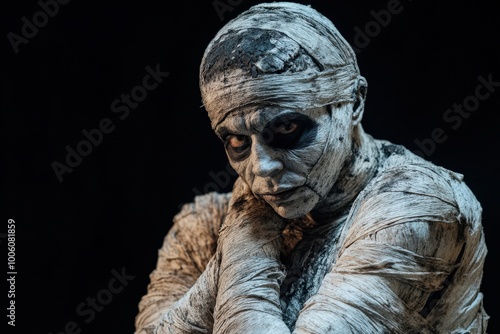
(409, 246)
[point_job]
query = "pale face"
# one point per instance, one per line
(275, 149)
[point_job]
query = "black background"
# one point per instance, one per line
(114, 209)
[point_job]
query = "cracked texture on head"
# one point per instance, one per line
(296, 58)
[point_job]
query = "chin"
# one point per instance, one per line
(297, 207)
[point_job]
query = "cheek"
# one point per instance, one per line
(302, 160)
(243, 168)
(307, 157)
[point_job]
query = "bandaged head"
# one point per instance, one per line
(286, 56)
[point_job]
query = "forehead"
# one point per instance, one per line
(255, 118)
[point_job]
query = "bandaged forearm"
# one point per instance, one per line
(356, 304)
(358, 296)
(193, 312)
(250, 277)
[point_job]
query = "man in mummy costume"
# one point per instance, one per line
(327, 229)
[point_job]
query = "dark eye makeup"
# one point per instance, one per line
(237, 146)
(290, 131)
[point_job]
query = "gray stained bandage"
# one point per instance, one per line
(302, 90)
(337, 81)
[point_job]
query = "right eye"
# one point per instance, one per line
(237, 146)
(237, 142)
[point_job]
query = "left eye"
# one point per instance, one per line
(284, 133)
(286, 128)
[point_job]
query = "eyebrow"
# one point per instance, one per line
(289, 116)
(222, 131)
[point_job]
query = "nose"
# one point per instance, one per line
(265, 162)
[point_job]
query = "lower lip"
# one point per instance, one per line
(283, 196)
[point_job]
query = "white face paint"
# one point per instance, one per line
(280, 153)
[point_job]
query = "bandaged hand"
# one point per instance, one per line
(250, 272)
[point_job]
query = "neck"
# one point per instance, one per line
(353, 177)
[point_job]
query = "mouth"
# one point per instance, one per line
(278, 196)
